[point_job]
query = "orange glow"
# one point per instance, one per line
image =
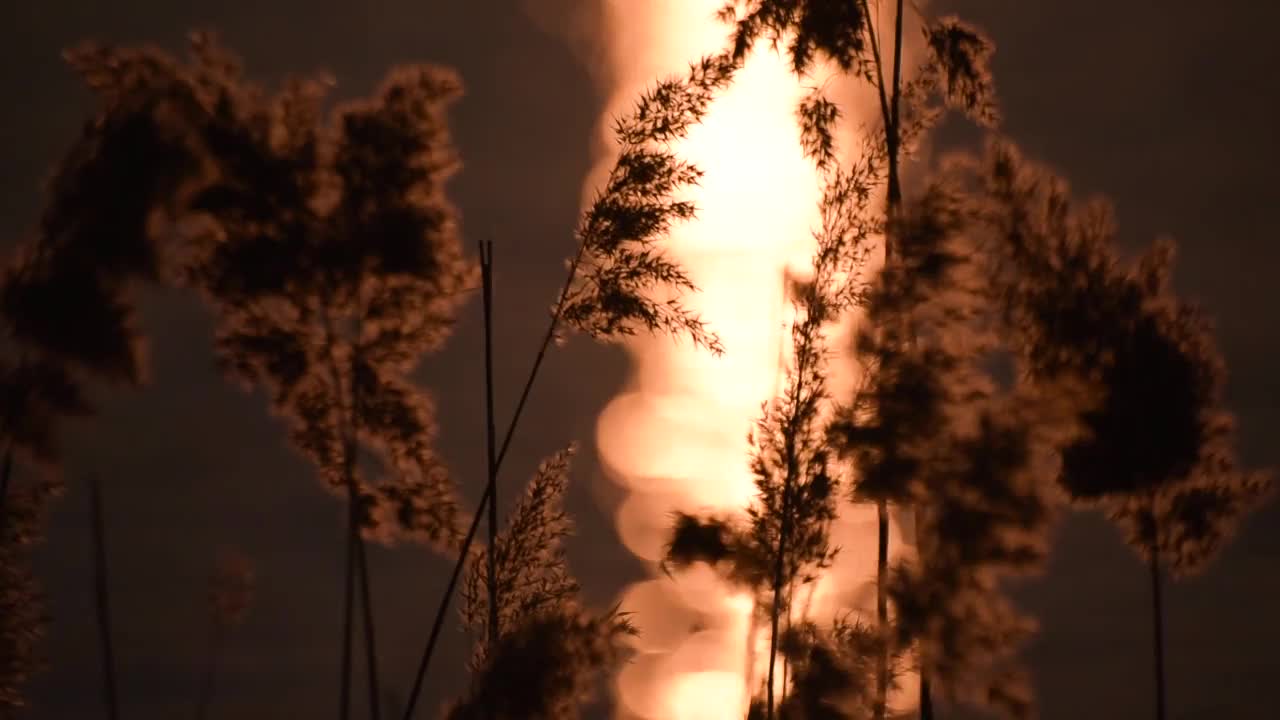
(676, 438)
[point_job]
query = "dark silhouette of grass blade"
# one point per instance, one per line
(491, 484)
(348, 600)
(370, 634)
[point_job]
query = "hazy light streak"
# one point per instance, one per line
(676, 438)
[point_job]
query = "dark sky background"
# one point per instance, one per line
(1168, 108)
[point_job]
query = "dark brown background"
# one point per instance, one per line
(1169, 108)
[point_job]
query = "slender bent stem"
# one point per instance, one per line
(438, 623)
(103, 600)
(465, 548)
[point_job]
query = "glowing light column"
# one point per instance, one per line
(676, 438)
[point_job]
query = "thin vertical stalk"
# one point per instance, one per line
(102, 598)
(465, 548)
(894, 200)
(926, 687)
(784, 531)
(355, 556)
(890, 100)
(877, 63)
(491, 487)
(370, 637)
(348, 576)
(357, 541)
(773, 619)
(779, 567)
(895, 186)
(786, 666)
(882, 609)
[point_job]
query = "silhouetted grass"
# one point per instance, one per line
(326, 246)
